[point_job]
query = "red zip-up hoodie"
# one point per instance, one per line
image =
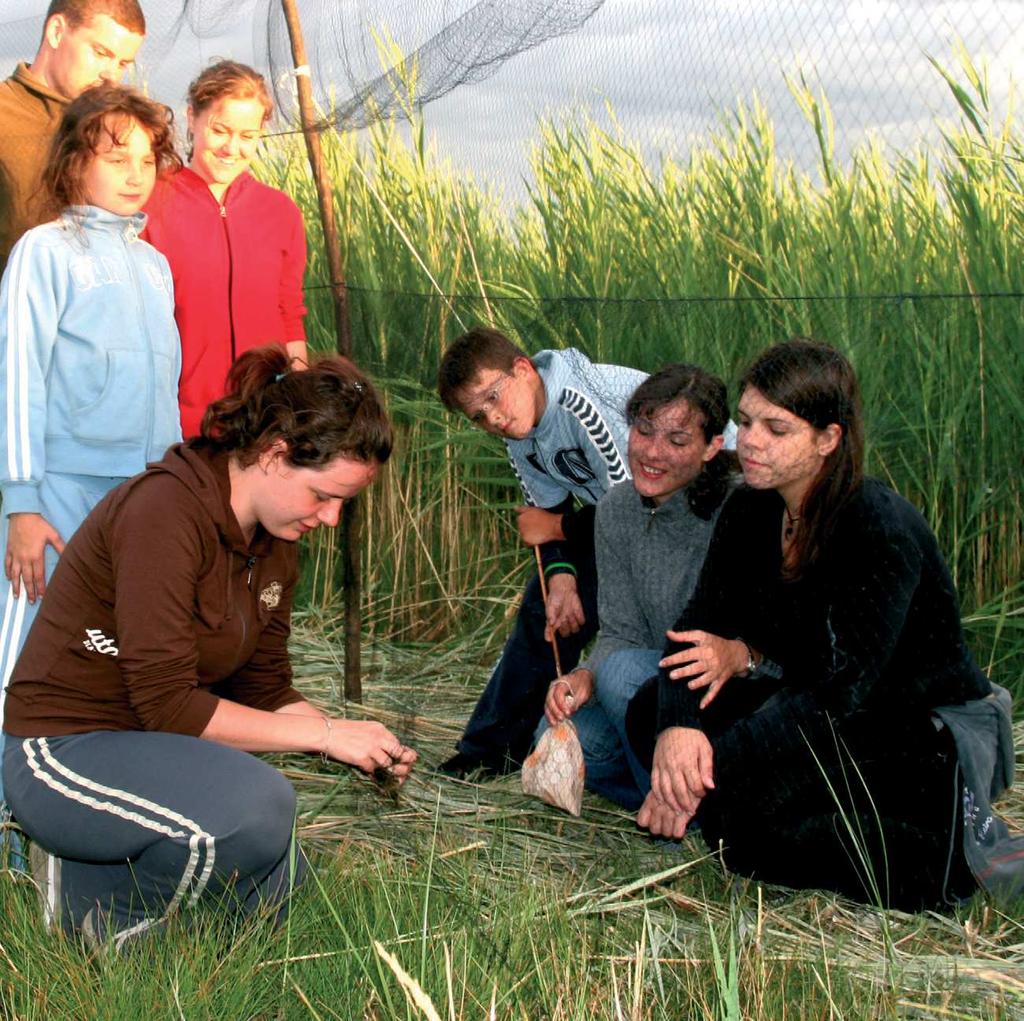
(238, 268)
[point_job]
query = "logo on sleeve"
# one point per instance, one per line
(97, 641)
(271, 595)
(573, 465)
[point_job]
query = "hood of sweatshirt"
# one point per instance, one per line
(188, 181)
(556, 369)
(24, 77)
(205, 474)
(96, 219)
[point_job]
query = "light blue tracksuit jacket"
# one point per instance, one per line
(89, 366)
(89, 354)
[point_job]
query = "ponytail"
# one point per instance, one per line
(328, 410)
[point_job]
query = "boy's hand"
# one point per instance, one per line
(25, 558)
(566, 694)
(537, 526)
(565, 611)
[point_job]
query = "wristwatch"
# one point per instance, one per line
(751, 662)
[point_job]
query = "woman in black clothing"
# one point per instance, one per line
(837, 775)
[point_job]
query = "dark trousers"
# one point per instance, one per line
(138, 825)
(500, 731)
(873, 810)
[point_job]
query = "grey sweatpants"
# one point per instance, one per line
(141, 824)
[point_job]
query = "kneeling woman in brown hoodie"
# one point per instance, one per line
(160, 660)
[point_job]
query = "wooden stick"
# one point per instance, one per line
(544, 595)
(350, 522)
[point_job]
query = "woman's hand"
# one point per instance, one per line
(368, 745)
(566, 694)
(298, 358)
(661, 820)
(25, 559)
(683, 770)
(564, 610)
(708, 662)
(537, 526)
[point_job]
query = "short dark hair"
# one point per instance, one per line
(708, 398)
(479, 348)
(103, 110)
(328, 410)
(816, 383)
(127, 13)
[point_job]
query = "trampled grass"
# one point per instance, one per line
(495, 905)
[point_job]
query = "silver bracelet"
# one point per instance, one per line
(327, 744)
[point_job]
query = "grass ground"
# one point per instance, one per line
(465, 901)
(460, 900)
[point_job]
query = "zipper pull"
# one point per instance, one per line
(223, 211)
(250, 563)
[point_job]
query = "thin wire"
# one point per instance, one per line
(682, 300)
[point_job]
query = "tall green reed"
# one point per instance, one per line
(909, 261)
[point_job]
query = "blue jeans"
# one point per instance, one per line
(501, 727)
(613, 770)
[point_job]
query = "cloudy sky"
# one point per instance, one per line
(668, 69)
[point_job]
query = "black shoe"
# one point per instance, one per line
(461, 765)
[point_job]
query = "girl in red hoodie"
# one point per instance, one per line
(237, 248)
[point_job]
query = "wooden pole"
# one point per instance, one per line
(350, 522)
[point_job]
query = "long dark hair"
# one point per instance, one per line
(816, 383)
(707, 397)
(327, 410)
(109, 111)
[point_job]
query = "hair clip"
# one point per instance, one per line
(281, 375)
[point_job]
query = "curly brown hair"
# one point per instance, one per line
(104, 111)
(328, 410)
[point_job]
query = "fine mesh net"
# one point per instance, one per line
(664, 72)
(709, 270)
(446, 44)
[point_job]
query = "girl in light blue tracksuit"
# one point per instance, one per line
(89, 352)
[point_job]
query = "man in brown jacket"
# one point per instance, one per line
(84, 42)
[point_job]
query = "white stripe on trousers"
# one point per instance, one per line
(197, 835)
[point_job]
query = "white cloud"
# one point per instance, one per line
(670, 69)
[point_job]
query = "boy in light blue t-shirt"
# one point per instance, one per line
(563, 421)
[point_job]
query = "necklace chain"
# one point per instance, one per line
(790, 526)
